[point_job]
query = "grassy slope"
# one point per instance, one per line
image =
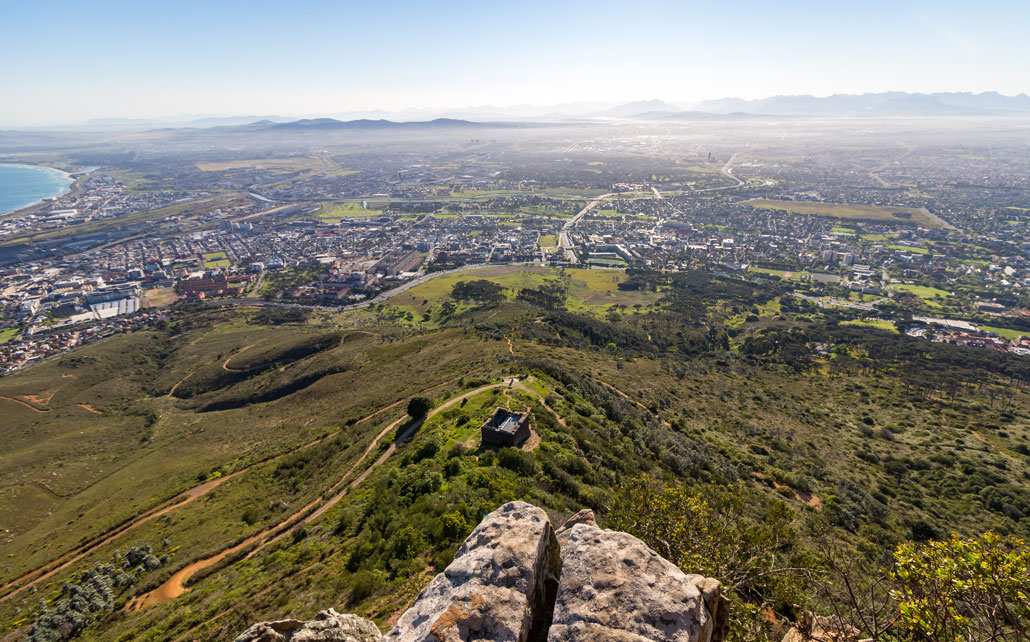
(770, 423)
(589, 291)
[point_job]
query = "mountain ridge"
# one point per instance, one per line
(881, 103)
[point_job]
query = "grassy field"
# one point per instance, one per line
(783, 274)
(282, 164)
(1007, 333)
(217, 263)
(334, 211)
(873, 213)
(880, 324)
(909, 248)
(921, 291)
(159, 297)
(548, 240)
(589, 291)
(6, 334)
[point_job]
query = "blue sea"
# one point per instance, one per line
(24, 185)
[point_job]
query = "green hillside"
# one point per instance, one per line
(267, 457)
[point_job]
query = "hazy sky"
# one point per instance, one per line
(63, 62)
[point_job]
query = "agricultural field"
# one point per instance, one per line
(873, 213)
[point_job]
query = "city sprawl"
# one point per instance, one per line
(919, 226)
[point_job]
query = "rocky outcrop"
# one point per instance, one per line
(497, 587)
(516, 580)
(328, 626)
(717, 603)
(585, 516)
(613, 587)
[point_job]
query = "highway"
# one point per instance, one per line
(564, 240)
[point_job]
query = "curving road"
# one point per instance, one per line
(564, 240)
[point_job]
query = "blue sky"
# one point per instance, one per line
(63, 62)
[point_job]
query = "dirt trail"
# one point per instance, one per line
(182, 499)
(511, 348)
(89, 408)
(48, 490)
(550, 409)
(175, 585)
(24, 403)
(76, 554)
(225, 364)
(179, 383)
(630, 399)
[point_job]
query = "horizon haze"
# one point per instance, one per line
(161, 61)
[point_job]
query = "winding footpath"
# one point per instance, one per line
(62, 562)
(176, 584)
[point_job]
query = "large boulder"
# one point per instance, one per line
(512, 581)
(328, 626)
(614, 588)
(499, 586)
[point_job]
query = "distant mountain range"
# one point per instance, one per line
(310, 124)
(331, 124)
(891, 103)
(880, 104)
(885, 103)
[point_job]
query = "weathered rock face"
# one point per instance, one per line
(717, 603)
(328, 626)
(512, 581)
(585, 516)
(613, 587)
(497, 586)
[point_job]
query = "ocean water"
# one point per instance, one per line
(23, 185)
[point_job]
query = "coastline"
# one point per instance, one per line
(25, 209)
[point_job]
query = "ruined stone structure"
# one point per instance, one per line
(515, 579)
(505, 428)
